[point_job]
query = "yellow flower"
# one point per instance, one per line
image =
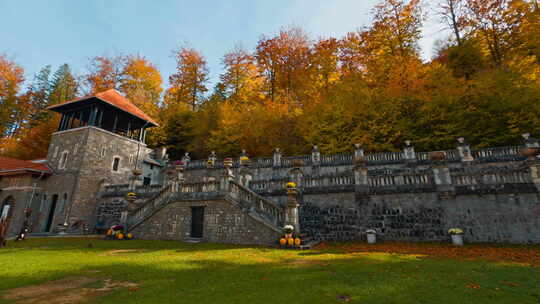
(291, 185)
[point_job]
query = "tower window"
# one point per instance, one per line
(63, 160)
(116, 164)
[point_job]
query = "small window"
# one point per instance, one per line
(116, 164)
(103, 151)
(63, 160)
(55, 152)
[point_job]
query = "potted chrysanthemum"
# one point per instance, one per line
(371, 236)
(288, 230)
(457, 236)
(228, 162)
(291, 187)
(244, 160)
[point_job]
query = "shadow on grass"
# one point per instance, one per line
(176, 274)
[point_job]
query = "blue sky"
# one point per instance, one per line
(37, 33)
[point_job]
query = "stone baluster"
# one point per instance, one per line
(276, 160)
(408, 151)
(464, 150)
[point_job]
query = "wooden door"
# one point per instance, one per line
(197, 220)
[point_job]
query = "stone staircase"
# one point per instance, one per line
(259, 208)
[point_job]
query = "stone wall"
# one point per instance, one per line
(224, 222)
(492, 193)
(88, 169)
(513, 218)
(25, 191)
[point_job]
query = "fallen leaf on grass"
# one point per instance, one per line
(473, 286)
(511, 284)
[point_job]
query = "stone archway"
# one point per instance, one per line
(6, 212)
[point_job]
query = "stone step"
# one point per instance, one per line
(193, 240)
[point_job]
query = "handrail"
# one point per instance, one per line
(263, 206)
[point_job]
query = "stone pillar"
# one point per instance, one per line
(211, 162)
(358, 152)
(296, 176)
(315, 156)
(276, 160)
(443, 181)
(530, 142)
(361, 178)
(291, 210)
(535, 174)
(464, 150)
(227, 174)
(186, 158)
(408, 151)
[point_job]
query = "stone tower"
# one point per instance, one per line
(100, 140)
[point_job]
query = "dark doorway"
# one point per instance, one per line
(197, 220)
(146, 181)
(50, 218)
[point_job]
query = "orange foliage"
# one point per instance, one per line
(526, 255)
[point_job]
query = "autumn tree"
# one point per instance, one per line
(454, 15)
(141, 83)
(11, 80)
(284, 61)
(241, 79)
(188, 83)
(105, 72)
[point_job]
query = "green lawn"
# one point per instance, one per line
(173, 272)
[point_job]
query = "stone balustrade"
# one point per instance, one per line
(492, 154)
(251, 201)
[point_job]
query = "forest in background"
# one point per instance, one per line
(291, 90)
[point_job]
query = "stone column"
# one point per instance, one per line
(291, 210)
(276, 159)
(408, 151)
(464, 150)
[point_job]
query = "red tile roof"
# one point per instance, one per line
(115, 99)
(12, 166)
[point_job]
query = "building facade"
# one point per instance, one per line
(98, 157)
